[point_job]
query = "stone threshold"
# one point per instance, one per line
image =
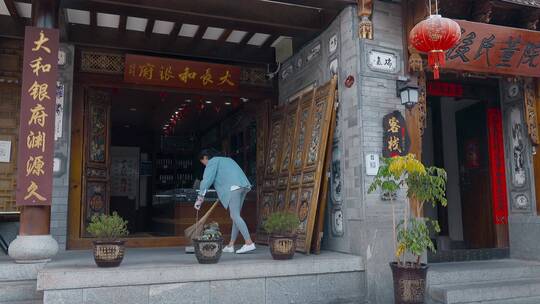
(76, 269)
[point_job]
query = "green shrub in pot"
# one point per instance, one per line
(412, 233)
(281, 227)
(108, 227)
(108, 230)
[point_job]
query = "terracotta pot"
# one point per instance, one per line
(282, 247)
(108, 253)
(208, 251)
(409, 283)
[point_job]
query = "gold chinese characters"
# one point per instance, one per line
(38, 95)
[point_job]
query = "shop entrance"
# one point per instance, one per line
(464, 136)
(139, 158)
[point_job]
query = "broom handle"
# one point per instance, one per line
(208, 212)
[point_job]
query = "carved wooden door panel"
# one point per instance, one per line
(95, 181)
(299, 135)
(314, 162)
(289, 121)
(271, 171)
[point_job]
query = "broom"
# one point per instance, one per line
(195, 230)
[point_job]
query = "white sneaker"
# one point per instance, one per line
(246, 249)
(228, 249)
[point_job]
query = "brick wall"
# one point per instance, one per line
(59, 215)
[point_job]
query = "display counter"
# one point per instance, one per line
(172, 212)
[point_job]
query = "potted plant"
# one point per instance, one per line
(108, 248)
(412, 233)
(281, 227)
(209, 245)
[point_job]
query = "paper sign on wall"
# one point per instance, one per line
(372, 164)
(5, 151)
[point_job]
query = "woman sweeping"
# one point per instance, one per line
(231, 185)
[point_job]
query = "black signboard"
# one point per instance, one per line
(396, 141)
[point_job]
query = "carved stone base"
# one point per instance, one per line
(33, 248)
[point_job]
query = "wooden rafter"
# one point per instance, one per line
(269, 41)
(161, 44)
(93, 18)
(246, 15)
(10, 4)
(149, 27)
(175, 30)
(246, 38)
(323, 4)
(123, 23)
(200, 33)
(226, 33)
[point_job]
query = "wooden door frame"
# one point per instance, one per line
(83, 82)
(416, 118)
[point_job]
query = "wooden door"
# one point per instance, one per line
(96, 157)
(478, 226)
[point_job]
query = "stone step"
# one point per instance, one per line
(485, 291)
(529, 300)
(10, 271)
(481, 271)
(23, 302)
(19, 291)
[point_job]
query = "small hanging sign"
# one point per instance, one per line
(396, 141)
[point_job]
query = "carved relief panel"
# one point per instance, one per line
(518, 148)
(96, 190)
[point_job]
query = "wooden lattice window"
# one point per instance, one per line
(9, 128)
(105, 63)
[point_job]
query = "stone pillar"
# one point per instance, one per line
(34, 243)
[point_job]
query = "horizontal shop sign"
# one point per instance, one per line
(495, 49)
(181, 73)
(438, 88)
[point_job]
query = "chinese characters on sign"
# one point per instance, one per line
(181, 73)
(495, 49)
(496, 166)
(382, 62)
(396, 141)
(437, 88)
(36, 128)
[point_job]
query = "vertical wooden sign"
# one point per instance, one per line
(396, 141)
(36, 127)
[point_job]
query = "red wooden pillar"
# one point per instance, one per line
(34, 243)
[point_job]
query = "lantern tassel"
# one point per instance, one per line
(436, 60)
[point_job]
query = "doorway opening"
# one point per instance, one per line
(463, 135)
(140, 158)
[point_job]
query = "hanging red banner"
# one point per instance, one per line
(181, 73)
(36, 127)
(497, 167)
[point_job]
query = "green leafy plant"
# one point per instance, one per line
(108, 227)
(412, 234)
(281, 223)
(211, 232)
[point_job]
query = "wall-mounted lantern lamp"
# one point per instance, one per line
(407, 92)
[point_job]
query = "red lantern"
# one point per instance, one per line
(434, 36)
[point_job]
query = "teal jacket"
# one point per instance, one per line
(223, 173)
